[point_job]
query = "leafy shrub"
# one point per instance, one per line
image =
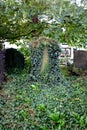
(26, 52)
(14, 60)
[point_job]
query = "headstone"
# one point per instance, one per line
(80, 59)
(14, 59)
(44, 61)
(2, 65)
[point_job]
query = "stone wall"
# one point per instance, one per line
(80, 59)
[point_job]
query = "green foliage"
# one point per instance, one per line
(51, 72)
(17, 19)
(41, 107)
(60, 107)
(58, 118)
(65, 70)
(26, 52)
(35, 87)
(69, 19)
(23, 20)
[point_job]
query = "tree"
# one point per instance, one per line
(21, 19)
(71, 24)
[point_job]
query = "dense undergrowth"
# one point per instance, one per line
(26, 105)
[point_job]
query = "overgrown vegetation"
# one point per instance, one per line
(44, 61)
(31, 104)
(35, 106)
(27, 104)
(26, 52)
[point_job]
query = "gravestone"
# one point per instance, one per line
(80, 59)
(2, 65)
(14, 59)
(44, 61)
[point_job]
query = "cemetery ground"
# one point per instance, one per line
(41, 98)
(26, 105)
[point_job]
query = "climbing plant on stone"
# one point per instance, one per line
(44, 61)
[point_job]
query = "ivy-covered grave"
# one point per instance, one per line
(45, 62)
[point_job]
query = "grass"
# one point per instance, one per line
(26, 105)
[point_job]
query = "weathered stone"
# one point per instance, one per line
(14, 59)
(80, 59)
(2, 65)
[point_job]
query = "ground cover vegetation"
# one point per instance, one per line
(32, 106)
(37, 105)
(27, 104)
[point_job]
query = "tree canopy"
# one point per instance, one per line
(64, 20)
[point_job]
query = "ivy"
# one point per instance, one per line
(51, 72)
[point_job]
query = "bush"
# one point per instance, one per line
(26, 53)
